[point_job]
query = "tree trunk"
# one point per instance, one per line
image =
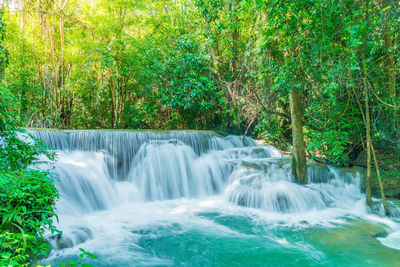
(378, 173)
(299, 163)
(368, 135)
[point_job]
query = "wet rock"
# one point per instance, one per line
(82, 234)
(64, 242)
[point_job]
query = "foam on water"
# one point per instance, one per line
(121, 191)
(392, 240)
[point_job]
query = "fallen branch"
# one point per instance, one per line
(248, 127)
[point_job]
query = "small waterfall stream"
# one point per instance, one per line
(195, 198)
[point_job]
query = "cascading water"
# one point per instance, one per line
(194, 198)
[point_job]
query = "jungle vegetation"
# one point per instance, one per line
(226, 65)
(330, 69)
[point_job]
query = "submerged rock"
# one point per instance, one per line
(80, 235)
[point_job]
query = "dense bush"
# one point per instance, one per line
(27, 196)
(26, 208)
(188, 87)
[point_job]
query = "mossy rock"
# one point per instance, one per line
(391, 186)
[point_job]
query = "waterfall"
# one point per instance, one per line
(94, 166)
(144, 178)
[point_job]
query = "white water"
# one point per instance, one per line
(114, 184)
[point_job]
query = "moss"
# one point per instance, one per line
(389, 164)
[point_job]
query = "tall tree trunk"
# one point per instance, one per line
(390, 65)
(113, 97)
(52, 69)
(62, 43)
(235, 36)
(367, 115)
(391, 72)
(371, 148)
(22, 15)
(389, 48)
(299, 163)
(368, 134)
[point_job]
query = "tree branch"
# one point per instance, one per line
(270, 111)
(383, 102)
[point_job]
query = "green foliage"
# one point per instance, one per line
(26, 208)
(319, 48)
(336, 134)
(210, 10)
(18, 149)
(27, 196)
(273, 130)
(4, 54)
(22, 79)
(331, 144)
(390, 174)
(187, 85)
(74, 263)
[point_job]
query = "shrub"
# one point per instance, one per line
(26, 210)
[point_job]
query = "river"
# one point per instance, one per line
(185, 198)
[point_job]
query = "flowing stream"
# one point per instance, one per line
(137, 198)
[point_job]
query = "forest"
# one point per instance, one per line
(317, 79)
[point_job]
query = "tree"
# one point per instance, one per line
(299, 162)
